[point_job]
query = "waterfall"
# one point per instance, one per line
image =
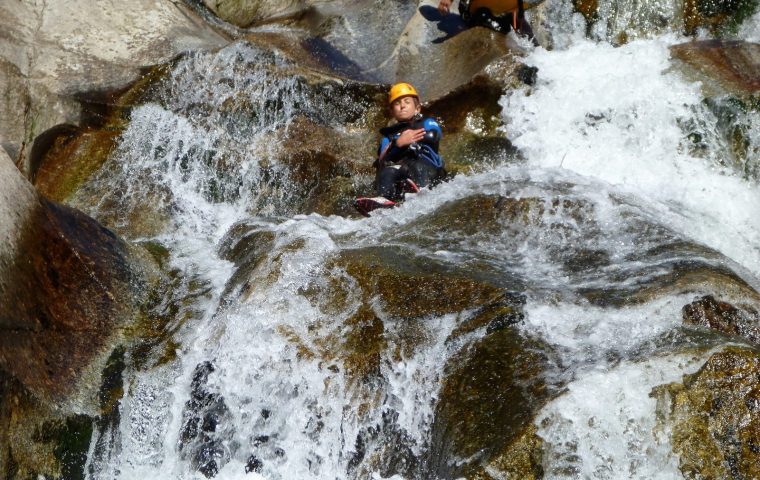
(609, 199)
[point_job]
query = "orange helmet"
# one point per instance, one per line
(401, 90)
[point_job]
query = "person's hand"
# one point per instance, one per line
(409, 137)
(444, 6)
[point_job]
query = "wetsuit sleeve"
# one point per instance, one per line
(389, 152)
(433, 133)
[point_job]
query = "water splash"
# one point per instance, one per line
(599, 126)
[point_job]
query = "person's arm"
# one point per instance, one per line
(444, 6)
(389, 151)
(433, 133)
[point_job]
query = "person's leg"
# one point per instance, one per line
(422, 172)
(524, 28)
(390, 183)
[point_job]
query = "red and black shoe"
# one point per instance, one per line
(364, 205)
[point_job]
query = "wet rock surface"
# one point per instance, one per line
(620, 21)
(731, 67)
(713, 417)
(64, 281)
(521, 458)
(724, 317)
(206, 426)
(488, 399)
(69, 288)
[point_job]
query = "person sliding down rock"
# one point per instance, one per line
(500, 15)
(408, 156)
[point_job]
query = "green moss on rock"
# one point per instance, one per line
(71, 440)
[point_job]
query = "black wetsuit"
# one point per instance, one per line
(419, 162)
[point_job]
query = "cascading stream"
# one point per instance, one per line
(264, 382)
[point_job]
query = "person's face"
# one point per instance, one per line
(404, 108)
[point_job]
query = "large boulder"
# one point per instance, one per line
(52, 52)
(66, 286)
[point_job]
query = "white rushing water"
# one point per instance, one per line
(602, 129)
(614, 114)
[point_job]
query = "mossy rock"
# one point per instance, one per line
(488, 400)
(721, 17)
(40, 441)
(520, 460)
(64, 158)
(714, 417)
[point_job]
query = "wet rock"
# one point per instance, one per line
(587, 8)
(40, 442)
(488, 399)
(695, 277)
(66, 285)
(69, 290)
(719, 17)
(520, 459)
(253, 464)
(724, 317)
(724, 67)
(50, 51)
(322, 164)
(243, 13)
(384, 449)
(206, 424)
(713, 417)
(65, 156)
(620, 21)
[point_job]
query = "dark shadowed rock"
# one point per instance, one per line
(724, 317)
(205, 425)
(713, 417)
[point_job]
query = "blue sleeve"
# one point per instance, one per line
(433, 131)
(384, 144)
(392, 153)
